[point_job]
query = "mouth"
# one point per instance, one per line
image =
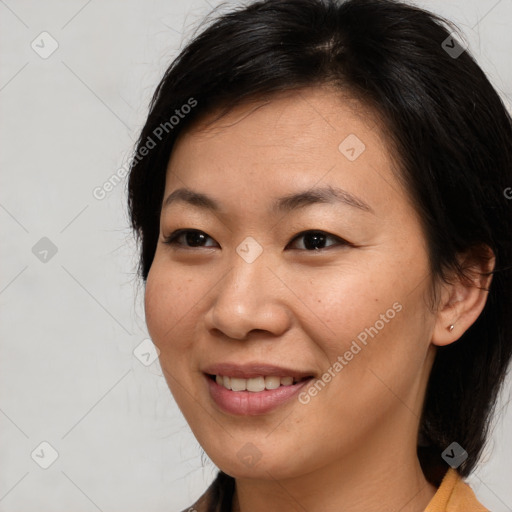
(253, 396)
(256, 384)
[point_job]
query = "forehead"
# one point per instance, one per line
(302, 116)
(292, 140)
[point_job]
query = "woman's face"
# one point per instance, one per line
(249, 295)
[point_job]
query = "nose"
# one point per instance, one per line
(249, 298)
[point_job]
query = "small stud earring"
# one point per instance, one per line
(451, 328)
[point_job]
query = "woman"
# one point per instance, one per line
(319, 193)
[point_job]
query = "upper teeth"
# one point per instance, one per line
(255, 384)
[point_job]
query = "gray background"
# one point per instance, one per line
(70, 321)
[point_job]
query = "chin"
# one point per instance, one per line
(242, 465)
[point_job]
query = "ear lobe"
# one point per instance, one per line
(464, 299)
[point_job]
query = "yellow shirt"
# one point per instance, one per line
(453, 495)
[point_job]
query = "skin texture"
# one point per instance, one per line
(354, 444)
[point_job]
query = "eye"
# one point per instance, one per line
(314, 239)
(193, 237)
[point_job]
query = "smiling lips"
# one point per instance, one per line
(255, 384)
(253, 389)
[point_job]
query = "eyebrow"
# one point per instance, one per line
(294, 201)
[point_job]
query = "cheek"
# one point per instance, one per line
(344, 302)
(373, 319)
(168, 301)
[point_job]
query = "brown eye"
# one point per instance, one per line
(192, 238)
(315, 240)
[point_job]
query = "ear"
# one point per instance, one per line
(463, 300)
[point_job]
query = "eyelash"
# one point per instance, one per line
(172, 239)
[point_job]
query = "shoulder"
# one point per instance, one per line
(218, 495)
(201, 505)
(205, 500)
(455, 495)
